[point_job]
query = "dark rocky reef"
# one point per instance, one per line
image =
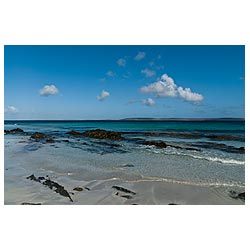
(126, 196)
(50, 141)
(103, 134)
(161, 144)
(189, 135)
(235, 195)
(74, 133)
(37, 136)
(124, 190)
(14, 131)
(98, 134)
(51, 184)
(41, 137)
(225, 138)
(78, 189)
(158, 144)
(219, 146)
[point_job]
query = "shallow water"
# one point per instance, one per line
(86, 159)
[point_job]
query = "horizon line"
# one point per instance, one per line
(131, 118)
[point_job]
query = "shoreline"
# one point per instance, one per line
(96, 186)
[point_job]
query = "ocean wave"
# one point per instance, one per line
(199, 157)
(216, 159)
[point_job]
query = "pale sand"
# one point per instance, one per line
(18, 189)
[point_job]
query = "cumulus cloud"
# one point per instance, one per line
(121, 62)
(140, 56)
(11, 110)
(188, 95)
(162, 88)
(103, 96)
(148, 72)
(148, 102)
(110, 73)
(49, 90)
(166, 87)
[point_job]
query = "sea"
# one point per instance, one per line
(200, 152)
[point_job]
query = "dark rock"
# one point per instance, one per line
(172, 204)
(236, 195)
(51, 184)
(124, 195)
(123, 190)
(50, 141)
(65, 140)
(127, 165)
(32, 177)
(241, 149)
(127, 196)
(40, 178)
(78, 189)
(30, 203)
(14, 131)
(161, 144)
(225, 137)
(75, 133)
(87, 188)
(158, 144)
(103, 134)
(220, 146)
(37, 136)
(242, 196)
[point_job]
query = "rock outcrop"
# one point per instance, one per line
(103, 134)
(51, 184)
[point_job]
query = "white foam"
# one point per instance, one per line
(214, 159)
(207, 158)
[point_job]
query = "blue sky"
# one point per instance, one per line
(113, 82)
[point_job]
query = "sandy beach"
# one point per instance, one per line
(92, 186)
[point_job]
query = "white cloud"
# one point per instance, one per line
(140, 56)
(148, 72)
(148, 102)
(166, 87)
(121, 62)
(162, 88)
(110, 73)
(49, 90)
(188, 95)
(11, 110)
(103, 95)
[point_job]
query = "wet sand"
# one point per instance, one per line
(112, 188)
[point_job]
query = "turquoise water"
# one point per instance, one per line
(215, 126)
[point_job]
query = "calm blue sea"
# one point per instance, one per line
(237, 127)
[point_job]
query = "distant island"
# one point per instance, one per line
(183, 119)
(227, 119)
